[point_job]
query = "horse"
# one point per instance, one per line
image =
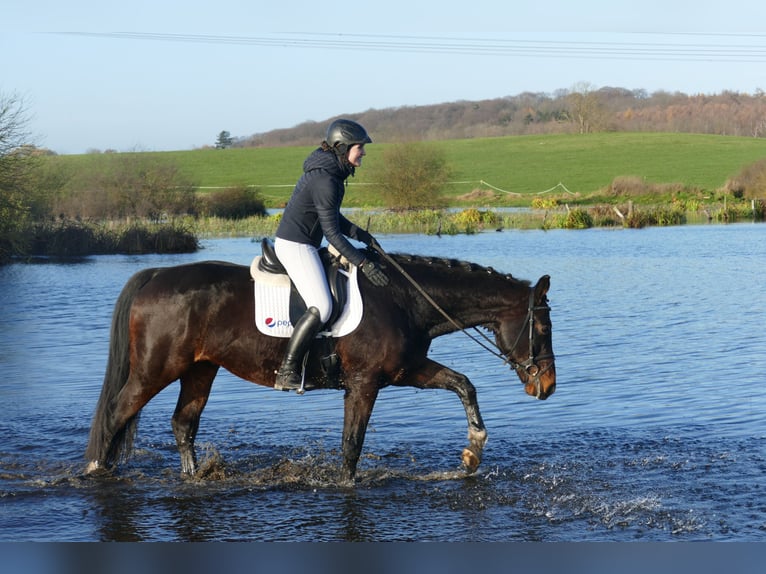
(182, 323)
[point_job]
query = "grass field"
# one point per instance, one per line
(525, 165)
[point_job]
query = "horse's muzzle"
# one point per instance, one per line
(540, 382)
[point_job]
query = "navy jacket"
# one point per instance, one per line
(313, 211)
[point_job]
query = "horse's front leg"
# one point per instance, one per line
(358, 402)
(436, 376)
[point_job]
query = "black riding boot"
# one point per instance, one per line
(289, 374)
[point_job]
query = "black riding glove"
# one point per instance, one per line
(366, 238)
(374, 273)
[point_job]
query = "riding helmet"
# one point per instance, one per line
(347, 133)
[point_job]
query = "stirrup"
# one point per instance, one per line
(293, 380)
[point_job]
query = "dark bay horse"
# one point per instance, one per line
(185, 322)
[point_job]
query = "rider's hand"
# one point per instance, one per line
(374, 273)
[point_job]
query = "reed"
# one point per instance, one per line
(73, 238)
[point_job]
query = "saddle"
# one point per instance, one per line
(278, 306)
(332, 262)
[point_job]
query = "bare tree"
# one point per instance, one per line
(586, 109)
(14, 171)
(14, 120)
(13, 136)
(130, 185)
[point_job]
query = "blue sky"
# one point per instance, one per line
(170, 75)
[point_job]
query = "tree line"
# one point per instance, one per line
(582, 109)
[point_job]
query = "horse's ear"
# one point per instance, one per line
(541, 289)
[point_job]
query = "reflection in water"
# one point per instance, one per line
(120, 508)
(354, 525)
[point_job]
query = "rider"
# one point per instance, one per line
(313, 213)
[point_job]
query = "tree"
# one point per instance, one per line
(412, 175)
(15, 168)
(224, 140)
(586, 109)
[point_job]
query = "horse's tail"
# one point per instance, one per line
(107, 445)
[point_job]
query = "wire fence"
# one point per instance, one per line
(557, 187)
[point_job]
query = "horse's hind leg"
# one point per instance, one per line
(115, 427)
(196, 383)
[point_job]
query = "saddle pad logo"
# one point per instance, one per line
(271, 322)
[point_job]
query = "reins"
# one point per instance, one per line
(494, 349)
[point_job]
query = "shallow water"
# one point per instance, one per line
(656, 430)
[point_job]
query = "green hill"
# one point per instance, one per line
(526, 165)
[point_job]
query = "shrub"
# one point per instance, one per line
(750, 182)
(473, 219)
(163, 239)
(470, 216)
(69, 238)
(686, 203)
(544, 203)
(234, 203)
(604, 216)
(637, 219)
(627, 186)
(72, 238)
(732, 212)
(634, 186)
(411, 176)
(577, 219)
(130, 185)
(174, 239)
(669, 216)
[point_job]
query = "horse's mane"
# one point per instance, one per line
(468, 267)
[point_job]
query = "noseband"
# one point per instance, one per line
(529, 366)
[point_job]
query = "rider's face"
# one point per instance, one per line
(355, 154)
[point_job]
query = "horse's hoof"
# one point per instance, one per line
(470, 460)
(94, 468)
(346, 483)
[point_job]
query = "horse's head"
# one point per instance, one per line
(526, 342)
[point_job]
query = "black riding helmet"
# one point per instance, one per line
(342, 134)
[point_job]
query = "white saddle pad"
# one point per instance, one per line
(272, 304)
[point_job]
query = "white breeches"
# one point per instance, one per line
(304, 267)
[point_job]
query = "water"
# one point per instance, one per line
(655, 433)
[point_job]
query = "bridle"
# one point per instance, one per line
(528, 366)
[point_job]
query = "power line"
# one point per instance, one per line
(661, 51)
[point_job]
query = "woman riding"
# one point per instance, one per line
(313, 213)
